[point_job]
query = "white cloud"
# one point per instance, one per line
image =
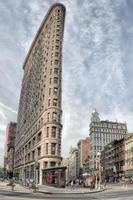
(97, 60)
(7, 108)
(2, 127)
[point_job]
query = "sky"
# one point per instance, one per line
(97, 62)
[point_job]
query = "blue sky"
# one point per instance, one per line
(97, 61)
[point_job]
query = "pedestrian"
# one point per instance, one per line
(77, 183)
(66, 184)
(72, 184)
(125, 183)
(105, 181)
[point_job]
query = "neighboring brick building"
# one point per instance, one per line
(10, 147)
(86, 167)
(83, 153)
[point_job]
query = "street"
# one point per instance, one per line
(128, 195)
(21, 193)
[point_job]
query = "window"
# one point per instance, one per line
(59, 148)
(25, 147)
(29, 145)
(56, 70)
(59, 103)
(32, 171)
(54, 102)
(28, 157)
(48, 115)
(59, 118)
(55, 90)
(51, 57)
(53, 148)
(56, 62)
(42, 118)
(47, 133)
(53, 131)
(52, 164)
(56, 47)
(33, 142)
(57, 40)
(33, 155)
(57, 30)
(49, 91)
(54, 117)
(50, 71)
(56, 54)
(46, 148)
(55, 80)
(45, 164)
(39, 151)
(48, 102)
(59, 133)
(39, 136)
(50, 80)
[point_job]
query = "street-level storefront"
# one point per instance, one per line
(55, 176)
(129, 173)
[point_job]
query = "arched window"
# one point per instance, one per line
(54, 131)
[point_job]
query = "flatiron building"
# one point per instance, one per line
(39, 126)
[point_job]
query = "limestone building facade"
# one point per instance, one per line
(128, 164)
(39, 126)
(73, 170)
(102, 133)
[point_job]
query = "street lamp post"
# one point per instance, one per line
(36, 174)
(96, 175)
(99, 170)
(24, 175)
(36, 169)
(24, 161)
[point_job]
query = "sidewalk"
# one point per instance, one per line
(119, 186)
(112, 187)
(54, 190)
(18, 188)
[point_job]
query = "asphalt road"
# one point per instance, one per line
(108, 195)
(20, 193)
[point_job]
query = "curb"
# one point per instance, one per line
(119, 189)
(97, 191)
